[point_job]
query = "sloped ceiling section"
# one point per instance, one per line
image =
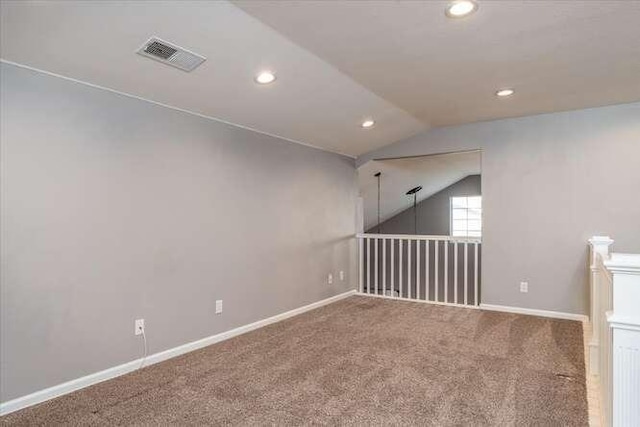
(433, 173)
(402, 63)
(95, 41)
(557, 55)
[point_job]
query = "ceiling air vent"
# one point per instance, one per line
(170, 54)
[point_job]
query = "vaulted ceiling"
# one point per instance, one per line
(557, 55)
(402, 63)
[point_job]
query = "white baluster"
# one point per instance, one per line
(417, 269)
(369, 265)
(446, 271)
(384, 266)
(466, 271)
(376, 266)
(436, 268)
(400, 268)
(426, 269)
(393, 263)
(455, 272)
(409, 268)
(475, 276)
(361, 256)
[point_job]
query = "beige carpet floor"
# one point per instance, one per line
(359, 361)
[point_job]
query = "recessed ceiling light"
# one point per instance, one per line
(460, 8)
(265, 77)
(367, 124)
(502, 93)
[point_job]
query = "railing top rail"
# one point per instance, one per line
(419, 237)
(620, 262)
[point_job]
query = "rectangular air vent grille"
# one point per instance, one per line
(171, 54)
(161, 50)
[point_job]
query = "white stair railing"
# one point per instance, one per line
(435, 269)
(614, 347)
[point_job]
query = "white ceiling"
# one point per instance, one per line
(401, 62)
(558, 55)
(94, 41)
(398, 176)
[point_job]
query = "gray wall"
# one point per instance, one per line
(433, 213)
(115, 209)
(549, 182)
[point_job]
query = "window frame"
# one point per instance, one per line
(467, 231)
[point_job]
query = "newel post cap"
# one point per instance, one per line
(601, 241)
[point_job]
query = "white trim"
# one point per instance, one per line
(116, 371)
(204, 116)
(419, 237)
(623, 263)
(535, 312)
(622, 322)
(449, 304)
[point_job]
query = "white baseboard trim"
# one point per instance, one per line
(116, 371)
(534, 312)
(421, 301)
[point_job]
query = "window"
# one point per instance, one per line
(466, 216)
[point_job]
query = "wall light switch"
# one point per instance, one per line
(218, 306)
(524, 287)
(341, 275)
(330, 279)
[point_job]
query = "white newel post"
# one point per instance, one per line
(624, 320)
(599, 245)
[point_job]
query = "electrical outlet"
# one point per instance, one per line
(341, 275)
(524, 287)
(139, 325)
(330, 279)
(219, 306)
